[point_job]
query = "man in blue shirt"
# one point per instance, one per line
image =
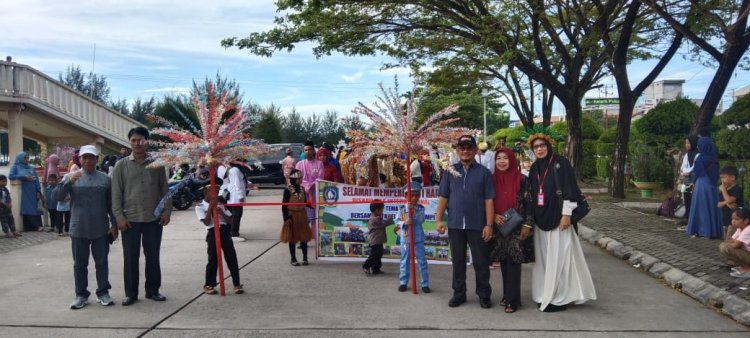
(468, 197)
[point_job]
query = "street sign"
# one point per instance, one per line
(602, 101)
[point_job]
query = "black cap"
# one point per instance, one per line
(467, 139)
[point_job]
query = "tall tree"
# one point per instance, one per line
(331, 128)
(142, 108)
(718, 28)
(92, 85)
(268, 128)
(179, 110)
(312, 128)
(554, 43)
(635, 36)
(121, 106)
(292, 127)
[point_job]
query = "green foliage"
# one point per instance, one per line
(602, 167)
(178, 110)
(511, 134)
(734, 143)
(589, 158)
(268, 127)
(734, 140)
(649, 163)
(738, 114)
(668, 123)
(92, 85)
(609, 135)
(470, 111)
(590, 130)
(604, 148)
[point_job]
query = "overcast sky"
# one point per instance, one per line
(151, 47)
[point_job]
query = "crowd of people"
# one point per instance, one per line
(118, 198)
(714, 202)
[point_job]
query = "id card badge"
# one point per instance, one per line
(540, 199)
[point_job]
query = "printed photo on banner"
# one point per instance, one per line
(343, 214)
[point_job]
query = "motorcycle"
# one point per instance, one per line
(187, 191)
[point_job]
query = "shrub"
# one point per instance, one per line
(511, 134)
(590, 130)
(602, 167)
(668, 123)
(604, 149)
(589, 158)
(609, 135)
(734, 140)
(650, 163)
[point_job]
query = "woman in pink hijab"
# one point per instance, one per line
(51, 167)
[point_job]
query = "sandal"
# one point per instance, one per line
(209, 290)
(295, 263)
(510, 308)
(305, 263)
(503, 302)
(238, 290)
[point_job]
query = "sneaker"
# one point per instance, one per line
(238, 239)
(79, 303)
(105, 300)
(456, 301)
(738, 274)
(209, 290)
(426, 289)
(238, 289)
(402, 288)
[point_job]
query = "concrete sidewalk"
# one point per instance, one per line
(654, 244)
(325, 298)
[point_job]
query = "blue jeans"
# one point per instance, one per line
(99, 248)
(405, 268)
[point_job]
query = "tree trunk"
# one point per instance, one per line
(574, 143)
(727, 64)
(619, 158)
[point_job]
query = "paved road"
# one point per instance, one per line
(324, 299)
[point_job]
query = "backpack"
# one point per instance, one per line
(667, 208)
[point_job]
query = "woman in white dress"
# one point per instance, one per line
(561, 275)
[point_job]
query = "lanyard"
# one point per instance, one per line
(546, 171)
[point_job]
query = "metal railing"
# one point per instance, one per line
(22, 82)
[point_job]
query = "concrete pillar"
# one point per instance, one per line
(15, 145)
(98, 142)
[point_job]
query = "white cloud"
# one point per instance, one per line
(352, 78)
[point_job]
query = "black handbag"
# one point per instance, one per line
(512, 221)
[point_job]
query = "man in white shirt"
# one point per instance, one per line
(485, 157)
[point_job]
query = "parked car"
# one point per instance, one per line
(270, 170)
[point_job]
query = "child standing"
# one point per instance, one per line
(54, 217)
(204, 211)
(6, 213)
(376, 237)
(63, 214)
(730, 197)
(295, 228)
(737, 248)
(404, 223)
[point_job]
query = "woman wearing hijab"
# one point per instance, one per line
(52, 166)
(511, 192)
(704, 219)
(31, 192)
(330, 173)
(561, 275)
(688, 160)
(295, 229)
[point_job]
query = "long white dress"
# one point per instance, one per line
(560, 275)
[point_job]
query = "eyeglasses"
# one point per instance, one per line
(539, 146)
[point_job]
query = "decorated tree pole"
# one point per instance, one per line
(395, 130)
(219, 138)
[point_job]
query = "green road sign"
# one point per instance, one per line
(602, 101)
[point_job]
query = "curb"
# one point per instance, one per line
(706, 293)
